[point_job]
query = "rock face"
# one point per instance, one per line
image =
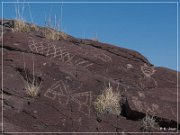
(71, 73)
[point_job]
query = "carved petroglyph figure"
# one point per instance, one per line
(141, 95)
(60, 92)
(142, 106)
(103, 57)
(137, 103)
(148, 81)
(147, 70)
(83, 63)
(129, 66)
(83, 100)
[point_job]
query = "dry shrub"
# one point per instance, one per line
(22, 26)
(148, 123)
(32, 89)
(54, 35)
(108, 102)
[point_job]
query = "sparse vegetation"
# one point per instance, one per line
(22, 26)
(148, 123)
(32, 89)
(108, 102)
(52, 30)
(53, 34)
(32, 86)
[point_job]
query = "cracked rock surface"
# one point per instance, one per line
(71, 73)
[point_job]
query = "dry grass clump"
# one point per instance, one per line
(22, 26)
(148, 123)
(108, 102)
(32, 89)
(53, 34)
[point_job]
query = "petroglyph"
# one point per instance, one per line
(83, 63)
(83, 100)
(129, 66)
(60, 92)
(147, 70)
(148, 81)
(103, 57)
(137, 103)
(153, 109)
(142, 106)
(51, 50)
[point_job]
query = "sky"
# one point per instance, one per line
(149, 28)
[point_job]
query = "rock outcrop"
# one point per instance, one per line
(71, 73)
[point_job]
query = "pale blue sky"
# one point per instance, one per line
(150, 29)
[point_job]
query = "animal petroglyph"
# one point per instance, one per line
(51, 50)
(60, 92)
(147, 70)
(103, 57)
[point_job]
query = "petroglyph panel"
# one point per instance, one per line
(59, 91)
(103, 57)
(140, 105)
(51, 50)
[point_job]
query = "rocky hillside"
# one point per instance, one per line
(55, 84)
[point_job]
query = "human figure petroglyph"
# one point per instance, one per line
(60, 92)
(148, 79)
(147, 83)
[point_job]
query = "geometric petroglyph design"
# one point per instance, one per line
(147, 70)
(84, 63)
(103, 57)
(49, 49)
(60, 92)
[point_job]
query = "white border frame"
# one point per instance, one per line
(177, 3)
